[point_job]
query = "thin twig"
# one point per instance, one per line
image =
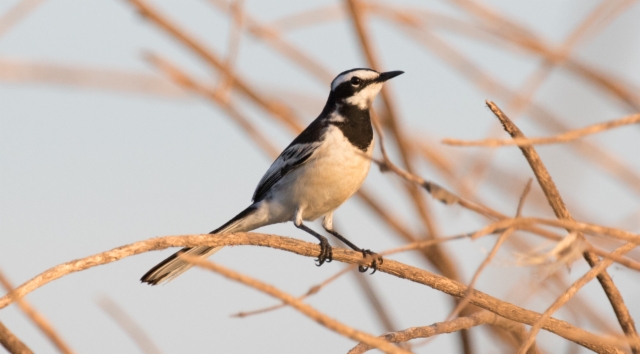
(561, 138)
(17, 13)
(181, 78)
(476, 319)
(129, 326)
(38, 319)
(569, 293)
(523, 198)
(275, 108)
(312, 291)
(523, 37)
(569, 225)
(465, 300)
(307, 18)
(303, 308)
(607, 161)
(271, 37)
(235, 33)
(25, 71)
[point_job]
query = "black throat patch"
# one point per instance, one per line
(356, 126)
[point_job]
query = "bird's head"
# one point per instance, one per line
(358, 87)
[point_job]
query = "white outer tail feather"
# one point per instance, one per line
(249, 219)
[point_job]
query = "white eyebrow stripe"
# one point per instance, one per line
(363, 74)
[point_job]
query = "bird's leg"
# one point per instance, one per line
(376, 259)
(326, 252)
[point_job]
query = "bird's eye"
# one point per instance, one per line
(355, 81)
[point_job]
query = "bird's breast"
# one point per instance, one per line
(332, 175)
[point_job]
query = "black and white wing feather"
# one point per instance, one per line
(295, 155)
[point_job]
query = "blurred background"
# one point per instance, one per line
(126, 120)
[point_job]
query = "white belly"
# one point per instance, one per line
(328, 179)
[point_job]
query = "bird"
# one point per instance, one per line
(320, 169)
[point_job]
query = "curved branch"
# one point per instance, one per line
(302, 307)
(400, 270)
(476, 319)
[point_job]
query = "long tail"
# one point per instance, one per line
(174, 266)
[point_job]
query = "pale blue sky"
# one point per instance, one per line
(85, 170)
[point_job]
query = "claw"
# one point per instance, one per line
(326, 253)
(375, 262)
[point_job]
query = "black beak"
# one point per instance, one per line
(388, 75)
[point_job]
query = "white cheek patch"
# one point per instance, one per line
(363, 74)
(364, 98)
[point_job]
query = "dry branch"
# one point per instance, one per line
(562, 138)
(559, 208)
(316, 288)
(276, 109)
(38, 319)
(12, 343)
(312, 291)
(17, 13)
(476, 75)
(526, 39)
(303, 308)
(178, 76)
(397, 269)
(25, 71)
(129, 326)
(569, 293)
(271, 37)
(476, 319)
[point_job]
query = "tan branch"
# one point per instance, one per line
(450, 55)
(312, 291)
(465, 300)
(303, 308)
(559, 208)
(561, 138)
(11, 343)
(271, 37)
(276, 109)
(25, 71)
(569, 293)
(38, 319)
(400, 270)
(129, 326)
(17, 13)
(476, 319)
(180, 77)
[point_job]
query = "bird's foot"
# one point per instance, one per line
(326, 252)
(376, 261)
